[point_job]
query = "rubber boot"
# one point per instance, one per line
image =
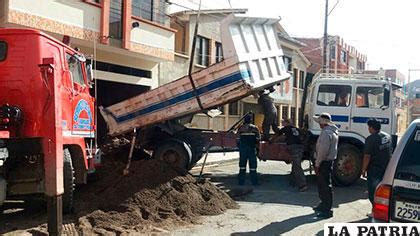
(241, 177)
(254, 177)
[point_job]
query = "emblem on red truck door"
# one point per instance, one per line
(82, 116)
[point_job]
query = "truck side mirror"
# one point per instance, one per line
(387, 94)
(89, 71)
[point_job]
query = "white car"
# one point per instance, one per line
(397, 197)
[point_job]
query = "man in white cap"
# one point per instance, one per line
(325, 154)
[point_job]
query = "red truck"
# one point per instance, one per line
(47, 126)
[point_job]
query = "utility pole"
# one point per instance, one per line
(325, 63)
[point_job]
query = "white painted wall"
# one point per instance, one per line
(126, 79)
(153, 36)
(70, 12)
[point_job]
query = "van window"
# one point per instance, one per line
(3, 50)
(370, 97)
(334, 95)
(75, 67)
(409, 165)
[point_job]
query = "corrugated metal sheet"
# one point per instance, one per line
(254, 43)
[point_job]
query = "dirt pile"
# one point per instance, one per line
(152, 195)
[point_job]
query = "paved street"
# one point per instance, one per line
(274, 207)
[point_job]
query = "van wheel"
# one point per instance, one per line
(68, 175)
(347, 167)
(176, 153)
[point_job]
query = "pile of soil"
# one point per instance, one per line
(153, 195)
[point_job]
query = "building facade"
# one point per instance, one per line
(343, 58)
(415, 106)
(287, 96)
(297, 64)
(126, 38)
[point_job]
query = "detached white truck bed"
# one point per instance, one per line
(253, 61)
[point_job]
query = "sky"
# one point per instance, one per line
(385, 30)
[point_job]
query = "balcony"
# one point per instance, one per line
(83, 22)
(153, 40)
(80, 20)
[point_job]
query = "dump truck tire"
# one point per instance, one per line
(176, 153)
(69, 182)
(348, 165)
(196, 142)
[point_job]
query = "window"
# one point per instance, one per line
(334, 95)
(332, 52)
(370, 97)
(202, 51)
(343, 56)
(75, 67)
(417, 95)
(160, 13)
(143, 9)
(115, 19)
(409, 165)
(285, 112)
(150, 10)
(360, 65)
(301, 79)
(94, 1)
(293, 114)
(398, 102)
(3, 50)
(288, 63)
(234, 108)
(219, 52)
(295, 78)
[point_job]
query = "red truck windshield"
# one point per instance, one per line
(3, 50)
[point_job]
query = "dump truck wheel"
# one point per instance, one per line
(69, 182)
(348, 165)
(196, 142)
(174, 152)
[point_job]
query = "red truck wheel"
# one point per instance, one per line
(68, 175)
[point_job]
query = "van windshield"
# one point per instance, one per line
(3, 50)
(409, 165)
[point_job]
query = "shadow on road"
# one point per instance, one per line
(278, 228)
(276, 188)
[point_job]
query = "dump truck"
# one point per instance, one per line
(47, 118)
(351, 99)
(253, 60)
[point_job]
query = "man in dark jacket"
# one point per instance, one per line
(249, 137)
(377, 153)
(295, 147)
(270, 113)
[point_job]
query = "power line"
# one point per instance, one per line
(332, 9)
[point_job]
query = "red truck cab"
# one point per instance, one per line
(44, 103)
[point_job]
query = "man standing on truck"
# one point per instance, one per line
(325, 154)
(249, 137)
(295, 147)
(376, 156)
(270, 113)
